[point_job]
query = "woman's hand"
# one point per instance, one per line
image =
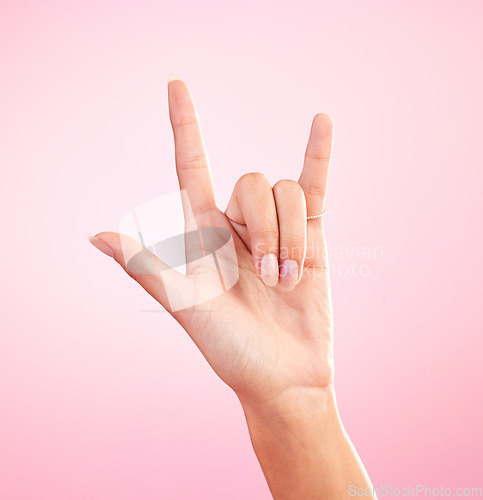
(272, 331)
(269, 337)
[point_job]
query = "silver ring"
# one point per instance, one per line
(317, 216)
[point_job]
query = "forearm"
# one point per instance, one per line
(302, 447)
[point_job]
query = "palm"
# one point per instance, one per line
(261, 337)
(263, 340)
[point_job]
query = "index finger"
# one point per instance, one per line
(192, 165)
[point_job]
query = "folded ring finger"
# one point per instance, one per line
(292, 223)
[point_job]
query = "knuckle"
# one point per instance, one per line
(268, 233)
(185, 121)
(252, 179)
(287, 186)
(292, 238)
(314, 190)
(316, 156)
(193, 162)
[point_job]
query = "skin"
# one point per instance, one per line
(269, 337)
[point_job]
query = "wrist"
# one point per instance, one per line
(297, 405)
(301, 445)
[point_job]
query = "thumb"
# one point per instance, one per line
(155, 276)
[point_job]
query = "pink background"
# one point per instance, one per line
(100, 400)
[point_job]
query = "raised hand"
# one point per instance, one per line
(269, 337)
(272, 331)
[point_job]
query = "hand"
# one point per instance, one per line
(271, 332)
(269, 337)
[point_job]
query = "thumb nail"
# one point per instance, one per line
(101, 245)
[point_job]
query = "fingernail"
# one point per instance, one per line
(172, 77)
(101, 245)
(289, 271)
(269, 269)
